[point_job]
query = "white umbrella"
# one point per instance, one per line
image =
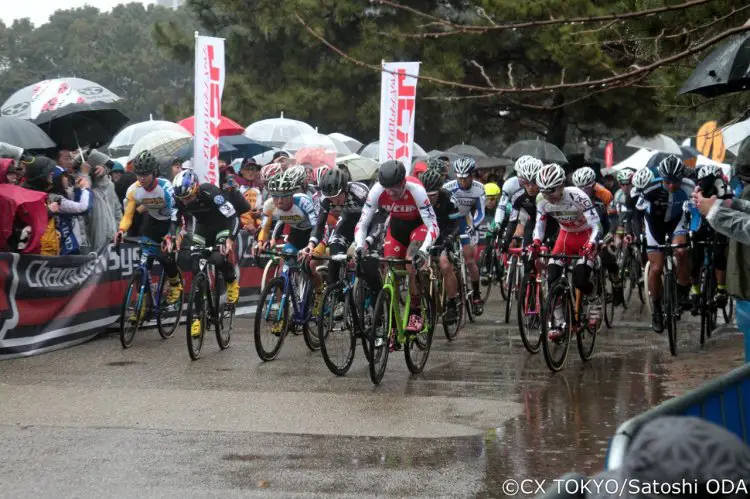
(276, 131)
(733, 135)
(659, 142)
(636, 161)
(161, 143)
(359, 167)
(265, 157)
(128, 136)
(372, 151)
(316, 140)
(352, 144)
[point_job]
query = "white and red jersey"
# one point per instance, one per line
(413, 206)
(574, 212)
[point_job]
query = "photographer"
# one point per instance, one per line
(105, 214)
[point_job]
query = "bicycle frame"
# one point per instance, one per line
(288, 273)
(146, 278)
(390, 284)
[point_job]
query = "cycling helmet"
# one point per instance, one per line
(584, 177)
(432, 180)
(550, 177)
(527, 167)
(296, 176)
(642, 178)
(319, 173)
(491, 190)
(435, 163)
(391, 173)
(185, 183)
(464, 167)
(625, 176)
(270, 170)
(672, 167)
(709, 171)
(144, 163)
(333, 182)
(284, 185)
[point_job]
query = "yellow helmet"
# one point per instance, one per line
(491, 190)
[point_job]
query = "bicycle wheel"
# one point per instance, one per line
(529, 309)
(502, 274)
(487, 271)
(224, 319)
(309, 331)
(608, 298)
(336, 330)
(270, 271)
(670, 310)
(133, 297)
(365, 307)
(380, 337)
(198, 301)
(468, 295)
(647, 292)
(638, 277)
(625, 277)
(512, 286)
(558, 315)
(273, 307)
(451, 330)
(168, 315)
(417, 348)
(586, 335)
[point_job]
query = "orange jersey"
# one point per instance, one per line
(603, 195)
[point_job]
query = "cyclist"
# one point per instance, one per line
(441, 164)
(492, 193)
(580, 228)
(629, 221)
(447, 213)
(663, 200)
(406, 200)
(155, 197)
(216, 222)
(469, 194)
(712, 183)
(514, 193)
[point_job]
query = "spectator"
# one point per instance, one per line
(71, 196)
(176, 166)
(279, 154)
(38, 173)
(8, 172)
(610, 183)
(116, 173)
(65, 160)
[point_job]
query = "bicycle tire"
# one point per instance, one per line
(467, 295)
(608, 298)
(512, 277)
(489, 266)
(585, 352)
(502, 272)
(331, 298)
(625, 278)
(126, 336)
(560, 290)
(451, 330)
(363, 313)
(167, 331)
(378, 360)
(198, 291)
(268, 273)
(309, 334)
(527, 293)
(223, 330)
(670, 303)
(646, 290)
(637, 273)
(417, 348)
(275, 284)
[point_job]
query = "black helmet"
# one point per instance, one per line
(391, 173)
(672, 167)
(432, 180)
(333, 182)
(145, 163)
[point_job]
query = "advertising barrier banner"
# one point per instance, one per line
(398, 94)
(209, 87)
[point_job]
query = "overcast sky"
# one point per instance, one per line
(40, 10)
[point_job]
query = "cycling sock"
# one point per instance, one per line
(721, 287)
(695, 289)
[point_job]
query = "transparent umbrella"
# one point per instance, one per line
(275, 132)
(733, 135)
(359, 167)
(316, 140)
(659, 142)
(372, 151)
(353, 144)
(123, 142)
(161, 143)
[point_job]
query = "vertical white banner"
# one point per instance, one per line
(398, 93)
(209, 86)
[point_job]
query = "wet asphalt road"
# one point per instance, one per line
(95, 420)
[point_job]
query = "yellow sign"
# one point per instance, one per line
(710, 142)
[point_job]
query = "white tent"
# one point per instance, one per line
(636, 161)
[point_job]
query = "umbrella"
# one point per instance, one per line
(316, 140)
(276, 132)
(226, 126)
(246, 147)
(23, 133)
(659, 142)
(372, 151)
(227, 151)
(123, 142)
(352, 144)
(467, 150)
(733, 135)
(359, 167)
(635, 161)
(161, 143)
(492, 162)
(725, 70)
(266, 157)
(544, 151)
(315, 156)
(72, 111)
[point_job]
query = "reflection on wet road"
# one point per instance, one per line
(96, 420)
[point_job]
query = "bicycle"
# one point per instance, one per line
(208, 303)
(438, 293)
(389, 325)
(345, 302)
(514, 276)
(631, 272)
(150, 295)
(465, 290)
(561, 297)
(293, 284)
(531, 296)
(671, 309)
(707, 306)
(491, 266)
(272, 268)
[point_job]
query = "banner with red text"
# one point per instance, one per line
(209, 87)
(398, 93)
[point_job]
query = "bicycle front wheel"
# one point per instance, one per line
(273, 309)
(418, 344)
(557, 326)
(335, 331)
(529, 308)
(451, 330)
(608, 297)
(512, 286)
(197, 315)
(488, 271)
(380, 336)
(169, 314)
(130, 320)
(224, 320)
(670, 310)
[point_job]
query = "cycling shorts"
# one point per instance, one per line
(656, 232)
(297, 239)
(397, 244)
(463, 232)
(570, 243)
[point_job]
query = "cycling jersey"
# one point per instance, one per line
(511, 189)
(603, 196)
(711, 186)
(574, 212)
(159, 201)
(347, 215)
(447, 212)
(659, 204)
(470, 199)
(406, 213)
(301, 216)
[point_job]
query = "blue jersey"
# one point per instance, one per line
(659, 204)
(301, 216)
(473, 198)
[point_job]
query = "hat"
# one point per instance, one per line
(279, 154)
(117, 167)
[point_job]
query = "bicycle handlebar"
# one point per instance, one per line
(343, 257)
(665, 246)
(563, 256)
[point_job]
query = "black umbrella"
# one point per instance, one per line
(549, 153)
(82, 125)
(725, 70)
(467, 150)
(227, 151)
(245, 146)
(23, 134)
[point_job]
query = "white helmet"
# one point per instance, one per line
(464, 166)
(527, 167)
(296, 176)
(642, 178)
(550, 177)
(584, 177)
(709, 171)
